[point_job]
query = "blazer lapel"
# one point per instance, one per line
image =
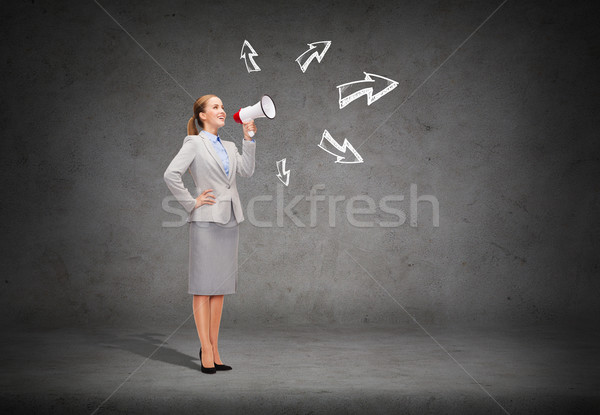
(213, 152)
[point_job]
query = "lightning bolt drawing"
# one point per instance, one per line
(366, 90)
(312, 53)
(329, 144)
(248, 54)
(283, 172)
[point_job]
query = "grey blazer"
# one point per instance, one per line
(199, 155)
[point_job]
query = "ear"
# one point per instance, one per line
(202, 116)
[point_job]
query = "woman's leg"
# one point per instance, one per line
(201, 305)
(216, 308)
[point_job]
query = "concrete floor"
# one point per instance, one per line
(304, 369)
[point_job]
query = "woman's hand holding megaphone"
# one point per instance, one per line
(249, 130)
(263, 108)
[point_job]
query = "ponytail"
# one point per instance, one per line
(191, 127)
(198, 108)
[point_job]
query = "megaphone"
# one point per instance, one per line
(263, 108)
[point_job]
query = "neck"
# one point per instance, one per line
(212, 130)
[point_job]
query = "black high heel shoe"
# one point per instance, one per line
(222, 367)
(217, 366)
(206, 369)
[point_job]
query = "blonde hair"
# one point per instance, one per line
(198, 108)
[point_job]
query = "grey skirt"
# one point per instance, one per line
(213, 257)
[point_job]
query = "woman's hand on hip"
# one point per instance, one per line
(248, 126)
(205, 198)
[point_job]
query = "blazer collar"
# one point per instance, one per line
(211, 149)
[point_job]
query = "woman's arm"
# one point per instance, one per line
(245, 161)
(173, 174)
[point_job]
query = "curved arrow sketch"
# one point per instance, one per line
(312, 53)
(329, 145)
(282, 172)
(248, 54)
(365, 89)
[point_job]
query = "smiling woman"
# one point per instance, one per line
(214, 216)
(209, 111)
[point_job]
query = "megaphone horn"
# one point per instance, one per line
(263, 108)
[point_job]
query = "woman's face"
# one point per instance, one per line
(214, 114)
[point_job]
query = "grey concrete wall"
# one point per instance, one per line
(503, 135)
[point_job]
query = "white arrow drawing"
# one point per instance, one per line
(365, 89)
(248, 50)
(283, 172)
(329, 144)
(311, 54)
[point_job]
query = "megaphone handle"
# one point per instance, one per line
(251, 134)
